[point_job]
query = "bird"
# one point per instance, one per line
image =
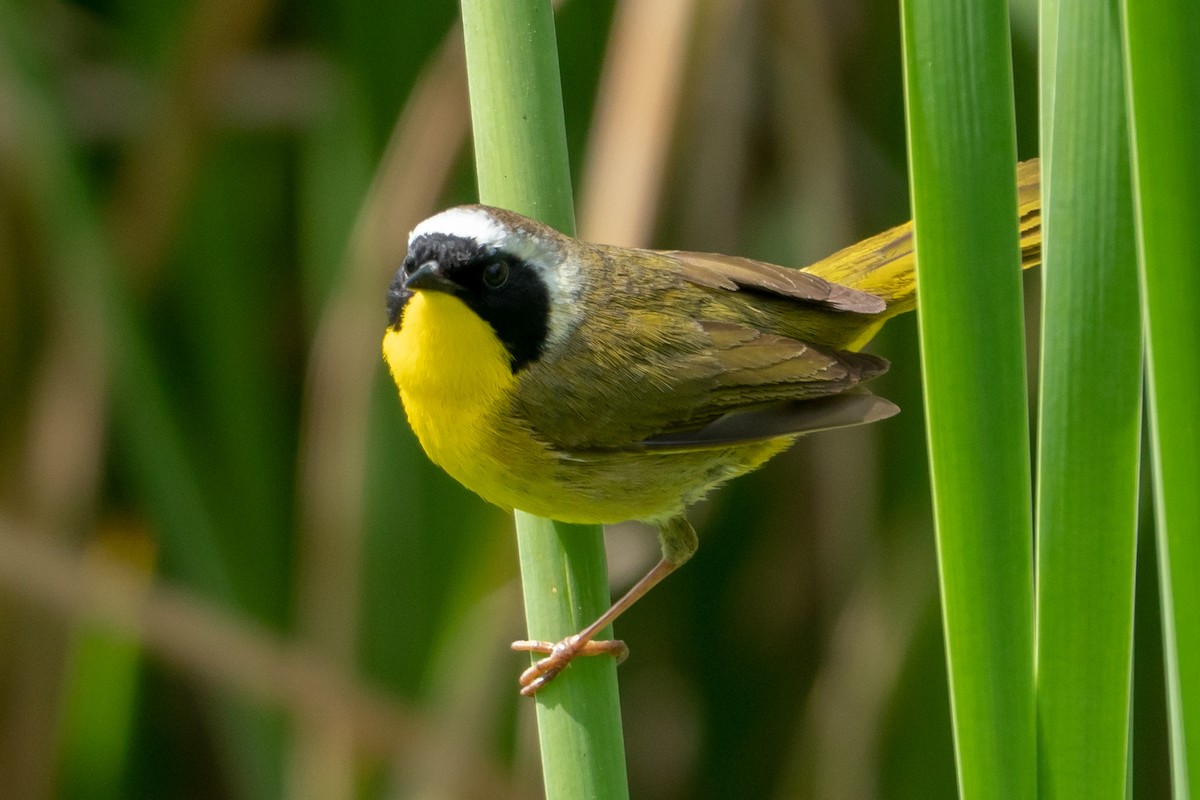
(594, 384)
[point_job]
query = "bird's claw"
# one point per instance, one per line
(559, 655)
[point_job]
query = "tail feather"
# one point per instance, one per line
(883, 264)
(1029, 207)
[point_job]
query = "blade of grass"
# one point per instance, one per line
(521, 159)
(1090, 420)
(962, 152)
(1048, 13)
(1163, 82)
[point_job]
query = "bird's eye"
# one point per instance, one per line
(495, 274)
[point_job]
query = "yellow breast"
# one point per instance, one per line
(456, 384)
(455, 381)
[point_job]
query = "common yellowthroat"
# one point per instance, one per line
(595, 384)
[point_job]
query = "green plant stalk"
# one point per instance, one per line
(521, 160)
(1163, 93)
(962, 152)
(1090, 420)
(1047, 72)
(516, 109)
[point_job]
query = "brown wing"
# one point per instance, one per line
(734, 273)
(724, 383)
(857, 407)
(758, 367)
(770, 386)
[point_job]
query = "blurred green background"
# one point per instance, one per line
(226, 568)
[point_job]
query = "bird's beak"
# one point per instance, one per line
(429, 276)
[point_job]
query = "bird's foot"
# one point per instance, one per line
(559, 655)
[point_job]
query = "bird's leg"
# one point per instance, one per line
(678, 539)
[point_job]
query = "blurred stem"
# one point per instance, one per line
(88, 280)
(521, 156)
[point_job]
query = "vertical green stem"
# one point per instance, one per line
(1091, 416)
(516, 109)
(1163, 92)
(962, 156)
(521, 155)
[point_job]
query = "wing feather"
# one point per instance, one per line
(749, 384)
(733, 273)
(777, 419)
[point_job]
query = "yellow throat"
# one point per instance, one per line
(455, 380)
